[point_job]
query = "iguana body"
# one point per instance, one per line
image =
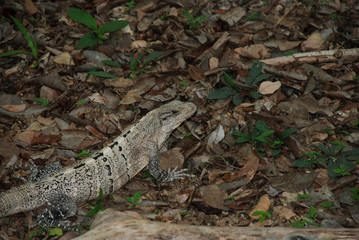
(108, 169)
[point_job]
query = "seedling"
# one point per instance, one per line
(138, 62)
(355, 193)
(254, 16)
(80, 101)
(261, 134)
(327, 204)
(44, 102)
(263, 215)
(131, 5)
(342, 170)
(32, 44)
(84, 153)
(97, 207)
(338, 163)
(194, 23)
(134, 200)
(56, 232)
(312, 219)
(302, 197)
(187, 134)
(97, 34)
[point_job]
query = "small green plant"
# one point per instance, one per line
(97, 207)
(290, 53)
(32, 44)
(338, 162)
(138, 62)
(80, 101)
(184, 83)
(261, 134)
(97, 33)
(254, 16)
(134, 200)
(327, 204)
(342, 170)
(255, 76)
(311, 219)
(44, 102)
(84, 153)
(302, 197)
(187, 134)
(263, 215)
(194, 23)
(355, 193)
(56, 232)
(131, 5)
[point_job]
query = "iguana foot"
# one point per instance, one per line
(59, 208)
(176, 175)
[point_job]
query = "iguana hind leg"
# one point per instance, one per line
(59, 208)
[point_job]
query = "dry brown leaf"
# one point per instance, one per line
(256, 51)
(212, 195)
(268, 87)
(262, 205)
(313, 43)
(30, 7)
(139, 44)
(196, 73)
(64, 58)
(96, 97)
(283, 212)
(119, 82)
(130, 97)
(14, 108)
(251, 166)
(27, 136)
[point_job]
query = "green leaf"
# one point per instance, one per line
(111, 63)
(82, 17)
(303, 163)
(260, 78)
(339, 163)
(88, 40)
(44, 102)
(288, 132)
(254, 94)
(221, 93)
(187, 15)
(261, 126)
(243, 138)
(201, 18)
(102, 74)
(257, 213)
(56, 232)
(26, 35)
(11, 53)
(326, 204)
(80, 101)
(254, 73)
(83, 153)
(114, 26)
(237, 99)
(228, 78)
(262, 137)
(137, 196)
(152, 56)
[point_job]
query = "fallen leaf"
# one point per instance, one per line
(262, 205)
(268, 87)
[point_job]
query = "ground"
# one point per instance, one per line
(274, 141)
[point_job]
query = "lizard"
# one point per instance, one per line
(108, 169)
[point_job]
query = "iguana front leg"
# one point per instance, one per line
(162, 176)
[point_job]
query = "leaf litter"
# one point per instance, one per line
(275, 83)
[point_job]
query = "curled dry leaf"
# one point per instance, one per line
(64, 58)
(96, 97)
(119, 82)
(262, 205)
(139, 44)
(256, 51)
(130, 97)
(268, 87)
(14, 108)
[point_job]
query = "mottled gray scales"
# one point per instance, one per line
(108, 169)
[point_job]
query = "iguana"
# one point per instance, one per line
(108, 169)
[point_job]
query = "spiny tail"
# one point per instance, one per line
(23, 198)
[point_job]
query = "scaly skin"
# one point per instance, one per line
(109, 168)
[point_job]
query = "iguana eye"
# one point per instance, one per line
(174, 111)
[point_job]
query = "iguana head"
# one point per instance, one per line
(171, 115)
